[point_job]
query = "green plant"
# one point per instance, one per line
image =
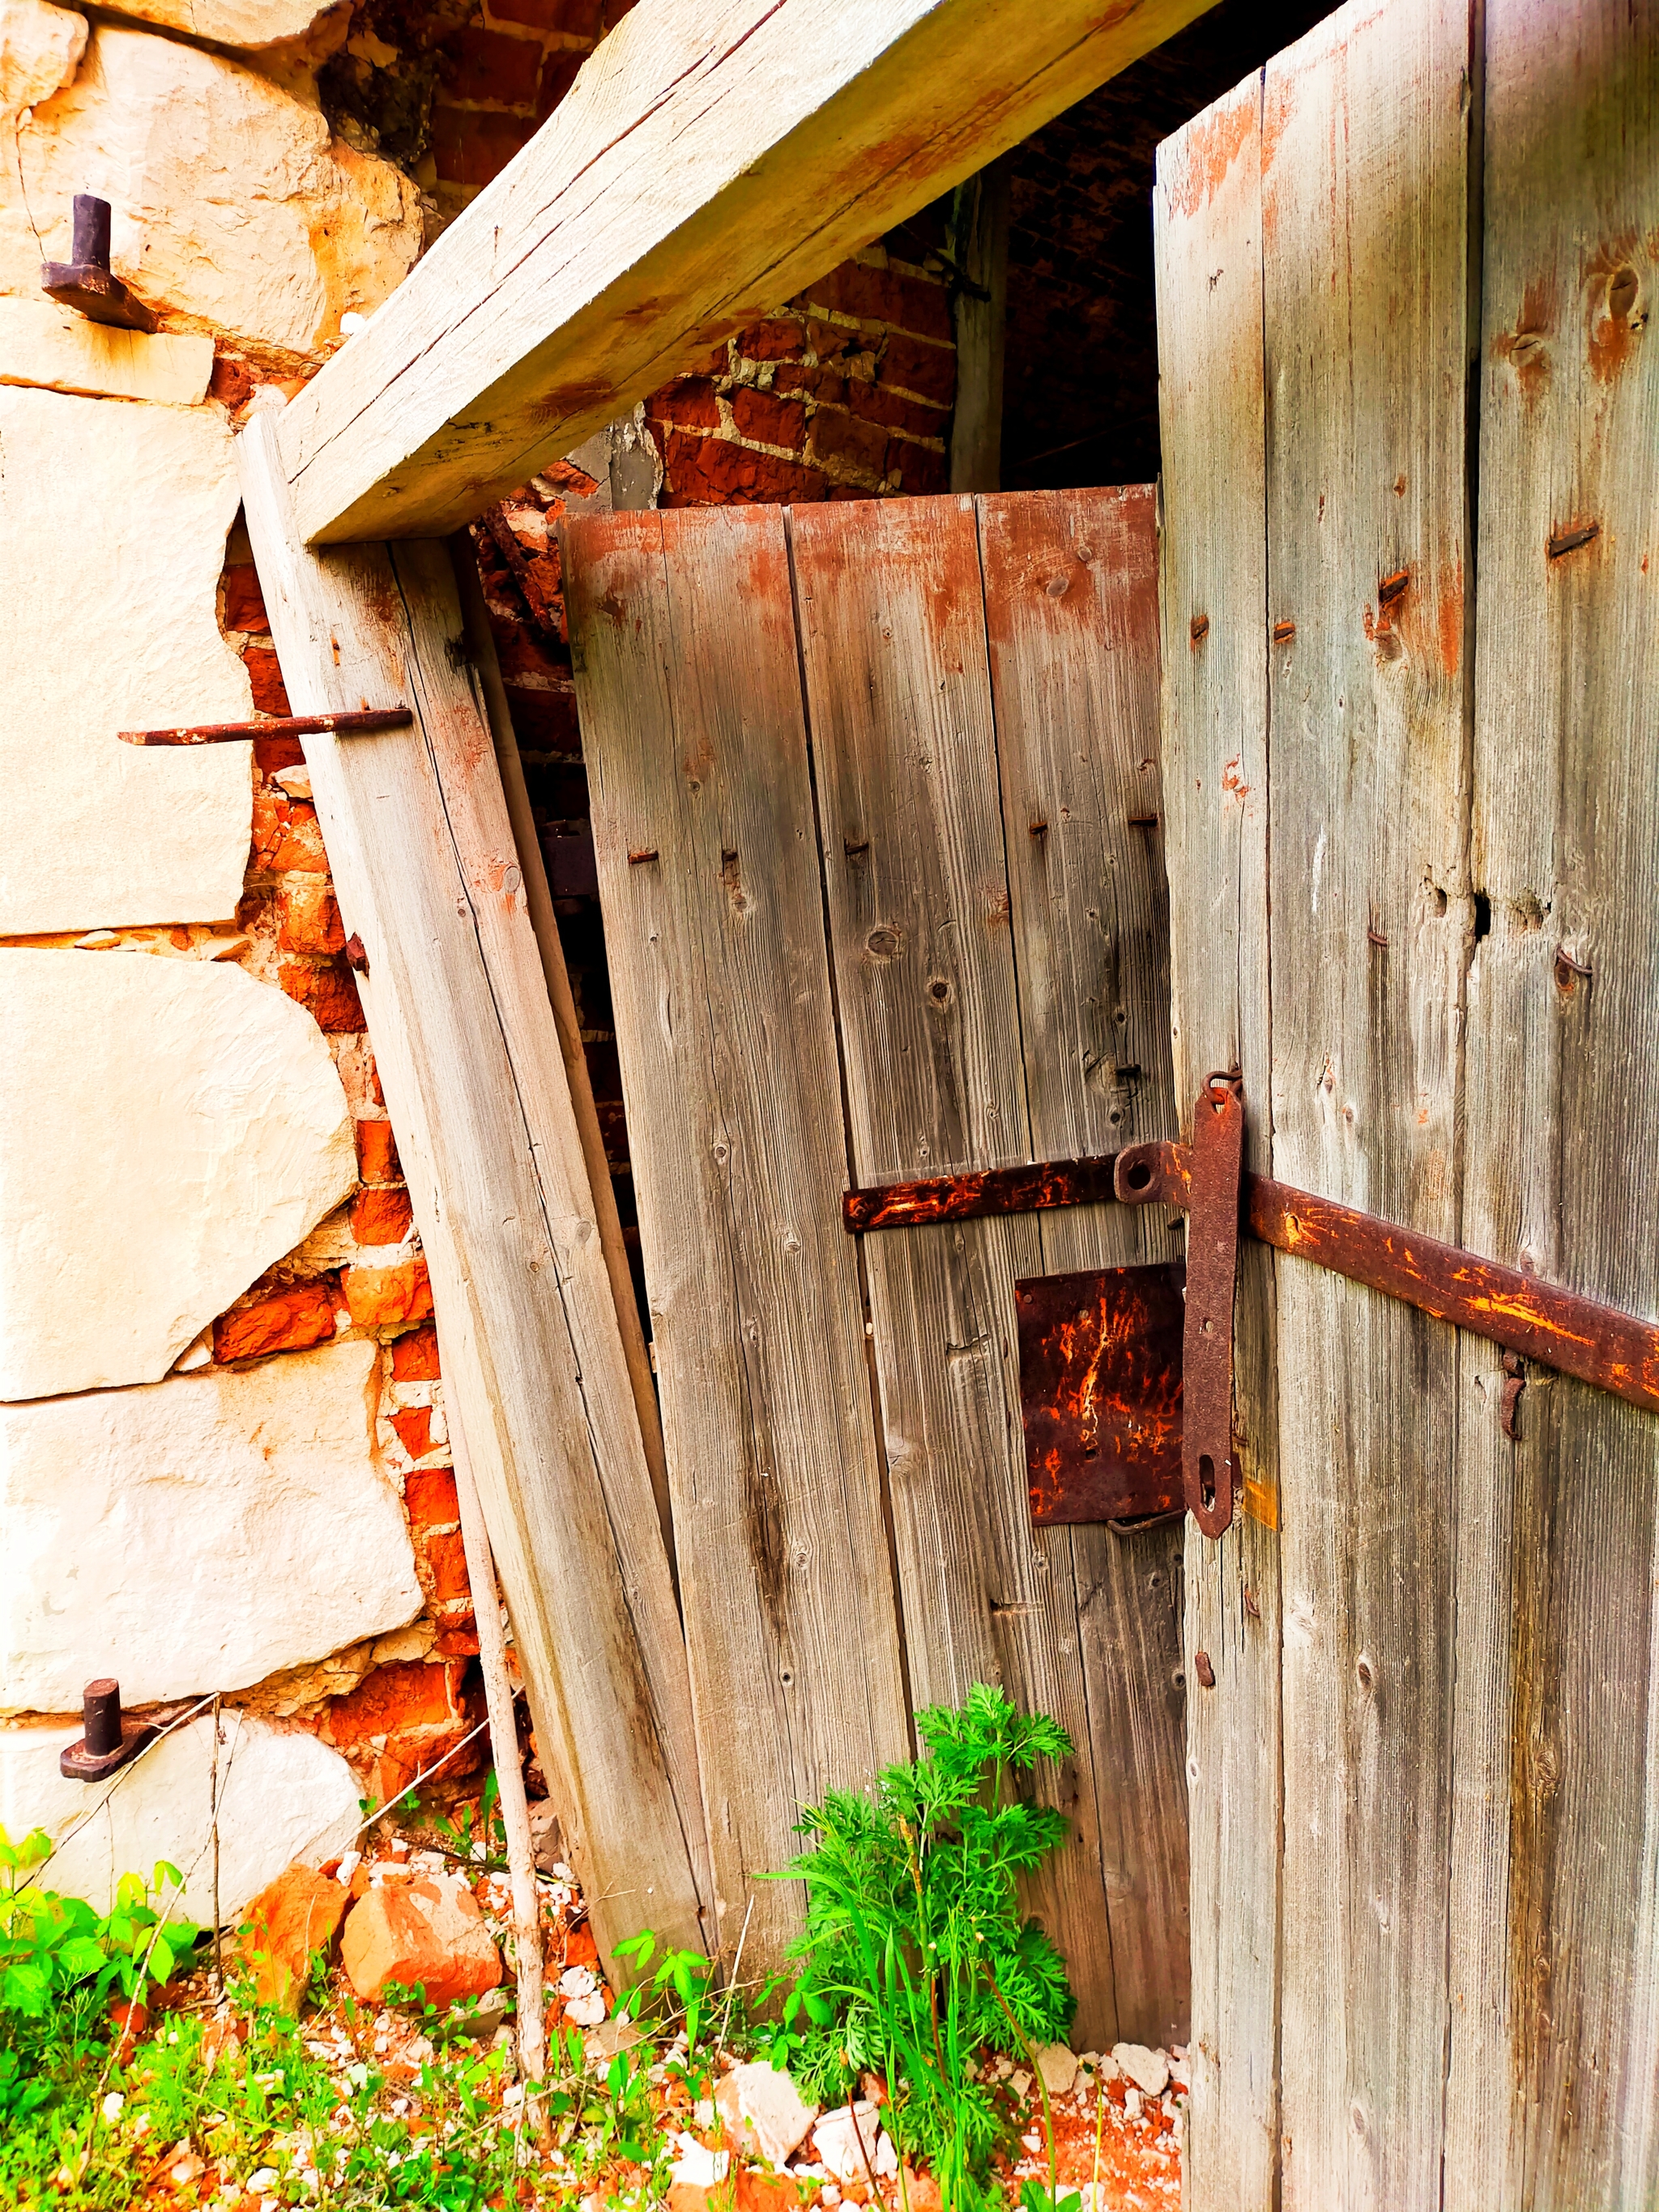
(50, 1943)
(685, 1975)
(916, 1956)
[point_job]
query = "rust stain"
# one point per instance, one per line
(1525, 348)
(1200, 628)
(614, 607)
(1214, 143)
(1571, 537)
(1233, 783)
(1617, 311)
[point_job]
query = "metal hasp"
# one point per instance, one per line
(356, 724)
(1100, 1393)
(1209, 1469)
(85, 282)
(110, 1741)
(1039, 1185)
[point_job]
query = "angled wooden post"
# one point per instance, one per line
(422, 851)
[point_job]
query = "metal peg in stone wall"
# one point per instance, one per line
(110, 1739)
(85, 282)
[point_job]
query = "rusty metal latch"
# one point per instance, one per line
(1530, 1319)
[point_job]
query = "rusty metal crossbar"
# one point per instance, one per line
(1597, 1344)
(357, 723)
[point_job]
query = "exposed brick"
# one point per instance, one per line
(397, 1766)
(546, 722)
(415, 1357)
(492, 66)
(875, 403)
(413, 1425)
(559, 73)
(308, 917)
(382, 1217)
(688, 401)
(773, 340)
(843, 438)
(429, 1497)
(286, 837)
(287, 1321)
(709, 471)
(826, 384)
(827, 340)
(904, 303)
(918, 468)
(327, 990)
(270, 754)
(576, 19)
(406, 1694)
(774, 421)
(269, 692)
(929, 371)
(381, 1297)
(245, 606)
(471, 148)
(233, 383)
(446, 1560)
(457, 1639)
(377, 1152)
(521, 655)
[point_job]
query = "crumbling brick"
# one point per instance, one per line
(377, 1153)
(415, 1357)
(383, 1297)
(382, 1217)
(287, 1321)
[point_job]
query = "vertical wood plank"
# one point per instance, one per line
(1365, 228)
(683, 637)
(1555, 1963)
(893, 647)
(423, 858)
(1071, 605)
(1207, 234)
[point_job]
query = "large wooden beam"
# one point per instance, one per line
(708, 162)
(423, 858)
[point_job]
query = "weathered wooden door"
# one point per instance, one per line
(875, 796)
(1412, 761)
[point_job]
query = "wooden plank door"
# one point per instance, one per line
(984, 1010)
(684, 641)
(1418, 888)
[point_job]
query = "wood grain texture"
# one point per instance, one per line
(893, 647)
(1207, 231)
(708, 162)
(683, 638)
(544, 923)
(1366, 230)
(1071, 610)
(423, 859)
(1555, 2012)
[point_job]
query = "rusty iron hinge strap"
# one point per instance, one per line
(359, 722)
(1208, 1469)
(1029, 1189)
(1578, 1336)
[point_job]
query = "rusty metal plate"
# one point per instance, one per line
(1032, 1189)
(1100, 1389)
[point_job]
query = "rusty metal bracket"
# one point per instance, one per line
(85, 280)
(356, 724)
(1030, 1189)
(1209, 1469)
(110, 1739)
(1100, 1390)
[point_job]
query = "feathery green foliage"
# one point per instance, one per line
(916, 1955)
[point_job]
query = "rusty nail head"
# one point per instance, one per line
(1203, 1669)
(640, 853)
(1250, 1605)
(356, 958)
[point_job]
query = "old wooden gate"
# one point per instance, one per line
(1411, 762)
(876, 800)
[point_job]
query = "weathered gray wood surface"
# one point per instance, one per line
(1555, 1899)
(712, 157)
(1364, 225)
(690, 692)
(1207, 221)
(423, 856)
(894, 654)
(1071, 610)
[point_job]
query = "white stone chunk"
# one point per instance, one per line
(764, 2111)
(235, 213)
(1148, 2069)
(169, 1129)
(198, 1535)
(250, 23)
(42, 344)
(40, 50)
(282, 1796)
(112, 528)
(1057, 2064)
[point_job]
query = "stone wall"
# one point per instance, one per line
(224, 1460)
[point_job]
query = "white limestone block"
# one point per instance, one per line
(40, 50)
(197, 1534)
(169, 1129)
(282, 1796)
(112, 528)
(235, 213)
(248, 23)
(42, 344)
